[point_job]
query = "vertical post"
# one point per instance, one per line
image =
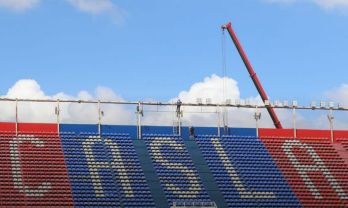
(179, 115)
(99, 119)
(331, 118)
(16, 117)
(218, 110)
(257, 117)
(139, 114)
(58, 115)
(179, 123)
(294, 121)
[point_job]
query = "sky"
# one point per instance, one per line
(160, 50)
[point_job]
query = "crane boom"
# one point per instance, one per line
(252, 73)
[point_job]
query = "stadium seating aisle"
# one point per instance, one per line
(314, 170)
(33, 172)
(105, 171)
(245, 172)
(176, 171)
(128, 172)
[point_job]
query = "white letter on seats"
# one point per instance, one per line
(192, 179)
(94, 165)
(319, 165)
(234, 176)
(119, 167)
(17, 169)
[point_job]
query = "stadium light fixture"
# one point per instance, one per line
(294, 103)
(331, 104)
(237, 102)
(199, 101)
(277, 103)
(339, 106)
(322, 104)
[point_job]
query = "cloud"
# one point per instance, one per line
(94, 7)
(100, 7)
(325, 4)
(18, 5)
(70, 112)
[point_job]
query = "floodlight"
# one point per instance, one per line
(277, 103)
(331, 104)
(294, 103)
(322, 104)
(199, 100)
(257, 116)
(237, 101)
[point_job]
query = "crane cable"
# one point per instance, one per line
(224, 69)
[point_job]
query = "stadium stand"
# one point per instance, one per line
(33, 171)
(115, 170)
(245, 172)
(105, 171)
(313, 168)
(176, 171)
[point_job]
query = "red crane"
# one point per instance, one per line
(252, 73)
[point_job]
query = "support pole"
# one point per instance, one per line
(257, 117)
(331, 118)
(218, 111)
(16, 117)
(99, 118)
(58, 115)
(294, 121)
(139, 113)
(179, 115)
(179, 124)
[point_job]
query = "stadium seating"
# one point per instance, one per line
(105, 171)
(33, 172)
(176, 171)
(245, 173)
(313, 168)
(87, 170)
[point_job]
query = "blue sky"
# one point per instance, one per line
(155, 49)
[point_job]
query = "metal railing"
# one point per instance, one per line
(139, 105)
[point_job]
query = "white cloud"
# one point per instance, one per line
(98, 7)
(325, 4)
(94, 7)
(18, 5)
(70, 113)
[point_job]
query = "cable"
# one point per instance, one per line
(224, 75)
